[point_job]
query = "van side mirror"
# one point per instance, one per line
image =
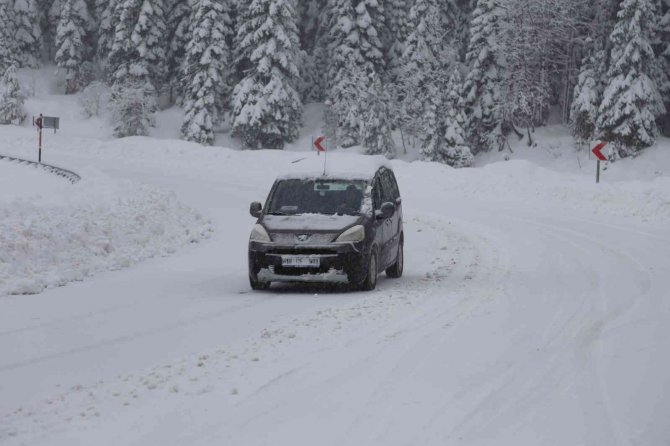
(387, 210)
(255, 209)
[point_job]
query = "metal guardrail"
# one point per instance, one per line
(67, 174)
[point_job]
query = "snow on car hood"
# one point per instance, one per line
(307, 222)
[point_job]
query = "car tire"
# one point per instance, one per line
(395, 271)
(369, 283)
(258, 285)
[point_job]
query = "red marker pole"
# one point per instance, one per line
(39, 138)
(316, 143)
(600, 157)
(325, 159)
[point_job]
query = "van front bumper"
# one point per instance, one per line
(337, 262)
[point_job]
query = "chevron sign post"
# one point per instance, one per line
(317, 144)
(597, 151)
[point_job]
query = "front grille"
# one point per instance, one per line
(305, 250)
(291, 238)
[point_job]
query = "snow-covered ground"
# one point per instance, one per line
(534, 309)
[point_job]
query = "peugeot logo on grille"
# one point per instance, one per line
(302, 237)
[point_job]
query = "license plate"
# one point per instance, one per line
(301, 261)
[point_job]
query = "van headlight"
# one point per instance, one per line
(354, 234)
(259, 234)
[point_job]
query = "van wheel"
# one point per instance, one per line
(395, 271)
(370, 281)
(258, 285)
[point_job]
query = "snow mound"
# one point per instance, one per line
(98, 224)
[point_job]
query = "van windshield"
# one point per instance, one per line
(315, 196)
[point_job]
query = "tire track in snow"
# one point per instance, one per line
(598, 411)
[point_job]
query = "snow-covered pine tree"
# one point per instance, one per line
(122, 54)
(178, 22)
(319, 60)
(425, 55)
(28, 33)
(267, 110)
(207, 69)
(50, 16)
(11, 98)
(664, 35)
(376, 126)
(631, 101)
(133, 105)
(460, 13)
(530, 43)
(453, 19)
(148, 37)
(313, 55)
(456, 152)
(132, 74)
(70, 43)
(370, 28)
(138, 50)
(484, 81)
(398, 26)
(587, 95)
(310, 14)
(108, 13)
(330, 124)
(431, 125)
(354, 40)
(444, 136)
(662, 76)
(310, 84)
(339, 24)
(8, 51)
(347, 100)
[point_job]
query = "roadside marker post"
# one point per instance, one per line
(316, 143)
(38, 122)
(44, 122)
(599, 156)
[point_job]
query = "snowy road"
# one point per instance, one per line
(516, 323)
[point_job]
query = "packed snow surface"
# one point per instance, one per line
(533, 310)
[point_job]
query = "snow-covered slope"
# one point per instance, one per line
(53, 232)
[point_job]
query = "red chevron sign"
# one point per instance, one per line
(597, 151)
(317, 143)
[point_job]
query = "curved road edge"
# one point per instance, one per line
(69, 175)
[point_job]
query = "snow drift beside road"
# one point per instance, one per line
(67, 232)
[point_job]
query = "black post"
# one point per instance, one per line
(598, 173)
(39, 129)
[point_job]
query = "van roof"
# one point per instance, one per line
(338, 165)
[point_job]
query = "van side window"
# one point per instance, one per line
(377, 196)
(389, 193)
(394, 186)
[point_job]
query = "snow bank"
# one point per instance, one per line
(68, 232)
(517, 181)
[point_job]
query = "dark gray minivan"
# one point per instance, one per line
(328, 228)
